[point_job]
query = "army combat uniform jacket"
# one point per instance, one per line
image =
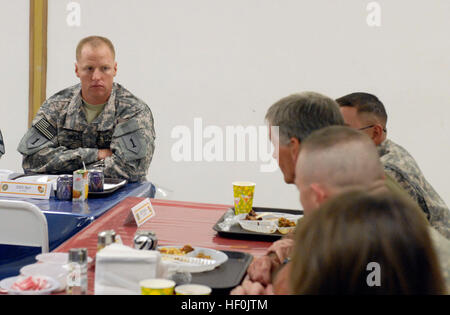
(2, 145)
(60, 138)
(401, 166)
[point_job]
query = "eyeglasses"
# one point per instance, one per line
(371, 126)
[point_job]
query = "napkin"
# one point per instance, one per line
(119, 268)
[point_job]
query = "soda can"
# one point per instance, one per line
(96, 180)
(64, 187)
(105, 238)
(145, 240)
(80, 185)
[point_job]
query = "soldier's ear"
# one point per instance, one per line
(377, 134)
(76, 69)
(115, 68)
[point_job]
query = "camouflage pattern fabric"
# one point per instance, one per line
(60, 138)
(401, 166)
(2, 145)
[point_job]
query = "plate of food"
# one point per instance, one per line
(29, 285)
(192, 259)
(268, 222)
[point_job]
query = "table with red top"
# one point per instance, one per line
(175, 223)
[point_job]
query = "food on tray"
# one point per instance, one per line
(283, 222)
(182, 251)
(202, 255)
(176, 251)
(187, 249)
(253, 216)
(31, 283)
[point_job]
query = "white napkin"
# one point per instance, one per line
(119, 268)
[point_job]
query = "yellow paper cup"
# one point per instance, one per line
(192, 289)
(243, 196)
(157, 287)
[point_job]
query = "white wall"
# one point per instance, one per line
(227, 61)
(14, 16)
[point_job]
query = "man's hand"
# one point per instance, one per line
(260, 270)
(103, 153)
(282, 248)
(252, 288)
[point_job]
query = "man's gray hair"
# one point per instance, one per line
(300, 114)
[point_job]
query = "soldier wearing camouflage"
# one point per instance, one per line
(364, 111)
(61, 139)
(399, 164)
(2, 145)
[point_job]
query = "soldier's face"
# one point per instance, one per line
(96, 69)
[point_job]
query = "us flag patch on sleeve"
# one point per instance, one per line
(45, 128)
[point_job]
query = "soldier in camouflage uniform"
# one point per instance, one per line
(366, 112)
(2, 145)
(319, 178)
(119, 139)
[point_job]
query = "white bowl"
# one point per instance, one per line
(55, 271)
(8, 282)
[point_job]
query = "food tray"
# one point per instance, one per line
(228, 275)
(237, 232)
(111, 185)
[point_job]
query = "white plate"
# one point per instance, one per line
(8, 282)
(269, 222)
(56, 258)
(218, 256)
(55, 271)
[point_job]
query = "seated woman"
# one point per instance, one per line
(361, 243)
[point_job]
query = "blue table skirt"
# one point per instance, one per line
(64, 220)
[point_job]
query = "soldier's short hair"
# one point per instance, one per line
(339, 157)
(364, 103)
(94, 41)
(300, 114)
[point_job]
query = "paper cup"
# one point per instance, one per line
(192, 289)
(243, 196)
(157, 287)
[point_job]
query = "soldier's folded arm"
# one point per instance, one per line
(132, 145)
(43, 154)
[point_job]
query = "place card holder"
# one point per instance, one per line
(16, 189)
(140, 213)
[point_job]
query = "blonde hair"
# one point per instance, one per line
(94, 41)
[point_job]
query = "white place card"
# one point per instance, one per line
(17, 189)
(141, 213)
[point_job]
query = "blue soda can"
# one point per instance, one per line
(64, 187)
(96, 180)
